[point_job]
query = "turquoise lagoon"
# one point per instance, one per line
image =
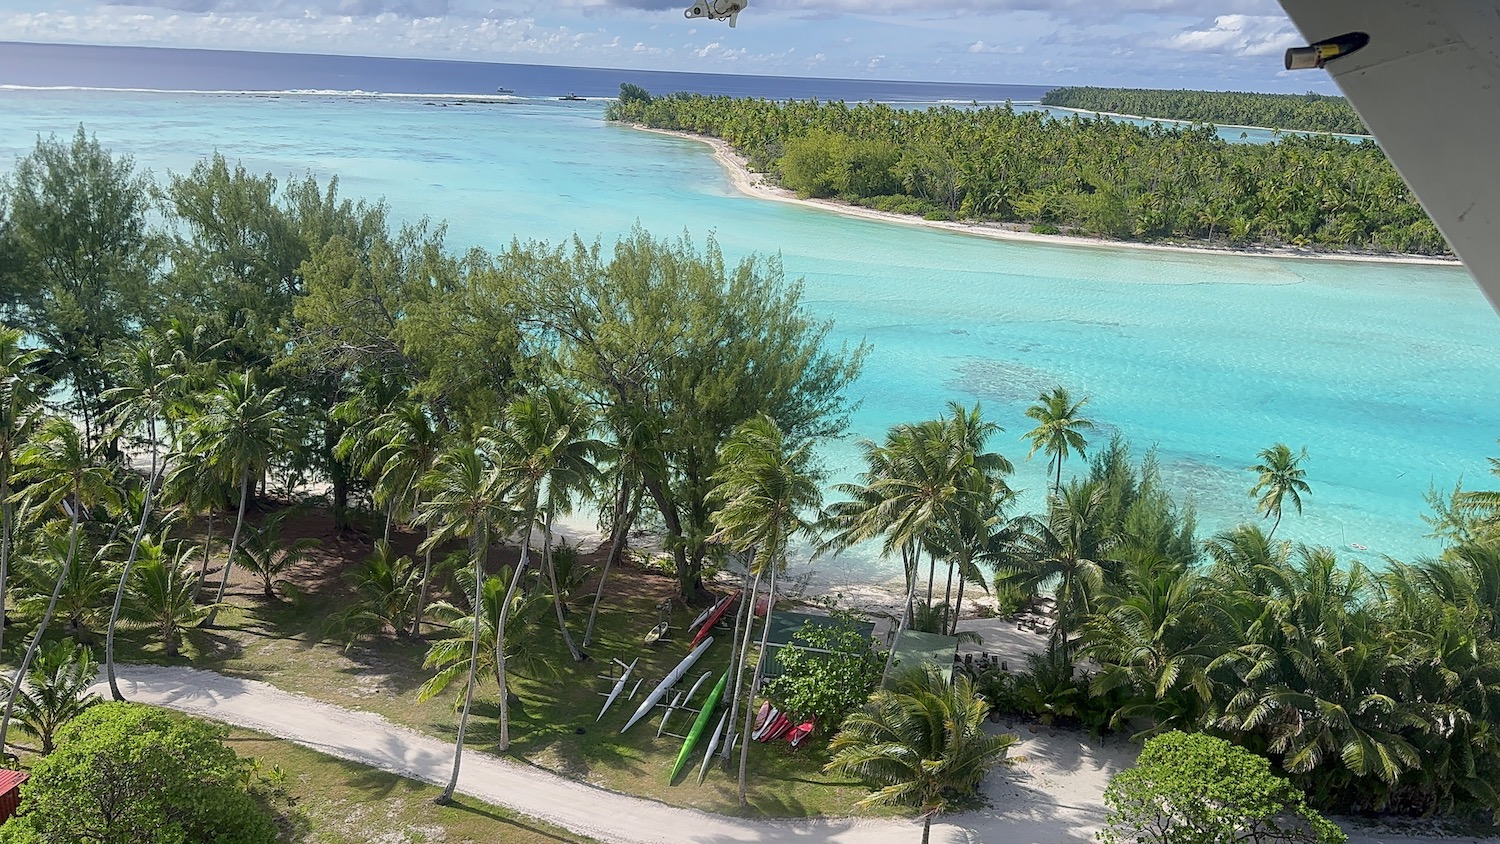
(1387, 373)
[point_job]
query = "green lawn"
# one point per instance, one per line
(552, 719)
(338, 802)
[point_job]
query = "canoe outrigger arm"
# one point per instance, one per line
(717, 10)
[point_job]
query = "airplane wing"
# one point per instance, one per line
(1428, 85)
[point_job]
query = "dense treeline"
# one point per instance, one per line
(174, 360)
(1289, 112)
(1372, 690)
(1088, 176)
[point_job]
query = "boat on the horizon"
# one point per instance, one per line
(504, 90)
(571, 97)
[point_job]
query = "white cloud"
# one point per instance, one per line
(1239, 35)
(981, 47)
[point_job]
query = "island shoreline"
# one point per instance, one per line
(753, 184)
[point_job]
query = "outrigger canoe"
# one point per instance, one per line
(667, 683)
(619, 686)
(680, 701)
(699, 726)
(703, 616)
(713, 744)
(714, 616)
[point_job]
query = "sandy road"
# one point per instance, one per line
(371, 740)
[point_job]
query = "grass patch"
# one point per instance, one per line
(289, 645)
(338, 802)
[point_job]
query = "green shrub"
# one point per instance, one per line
(825, 672)
(1197, 789)
(129, 774)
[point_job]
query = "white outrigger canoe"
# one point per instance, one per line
(667, 683)
(619, 686)
(713, 744)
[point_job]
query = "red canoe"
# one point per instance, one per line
(713, 618)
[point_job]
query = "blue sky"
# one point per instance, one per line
(1218, 44)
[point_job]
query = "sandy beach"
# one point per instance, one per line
(751, 183)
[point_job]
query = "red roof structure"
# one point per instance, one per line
(10, 792)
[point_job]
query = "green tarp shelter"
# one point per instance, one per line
(784, 626)
(915, 649)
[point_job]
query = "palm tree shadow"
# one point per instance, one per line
(473, 807)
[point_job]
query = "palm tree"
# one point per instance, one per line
(163, 592)
(920, 743)
(1072, 549)
(1155, 636)
(450, 656)
(147, 387)
(386, 587)
(20, 398)
(1280, 475)
(760, 492)
(635, 445)
(545, 449)
(196, 490)
(407, 442)
(88, 585)
(465, 497)
(1057, 430)
(241, 429)
(60, 470)
(974, 530)
(55, 690)
(264, 553)
(1318, 681)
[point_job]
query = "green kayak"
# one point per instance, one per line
(704, 715)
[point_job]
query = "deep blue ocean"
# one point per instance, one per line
(56, 65)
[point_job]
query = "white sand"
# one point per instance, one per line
(1056, 797)
(755, 184)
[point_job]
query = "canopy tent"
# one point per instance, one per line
(915, 649)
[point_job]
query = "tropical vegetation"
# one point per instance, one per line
(921, 743)
(135, 775)
(1290, 112)
(1197, 789)
(264, 343)
(1083, 175)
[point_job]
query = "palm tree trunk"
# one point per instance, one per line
(927, 829)
(931, 570)
(760, 662)
(621, 526)
(135, 548)
(390, 516)
(416, 624)
(948, 598)
(557, 602)
(1057, 484)
(5, 529)
(890, 657)
(910, 560)
(477, 550)
(62, 577)
(1274, 525)
(208, 544)
(957, 604)
(234, 544)
(744, 622)
(510, 594)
